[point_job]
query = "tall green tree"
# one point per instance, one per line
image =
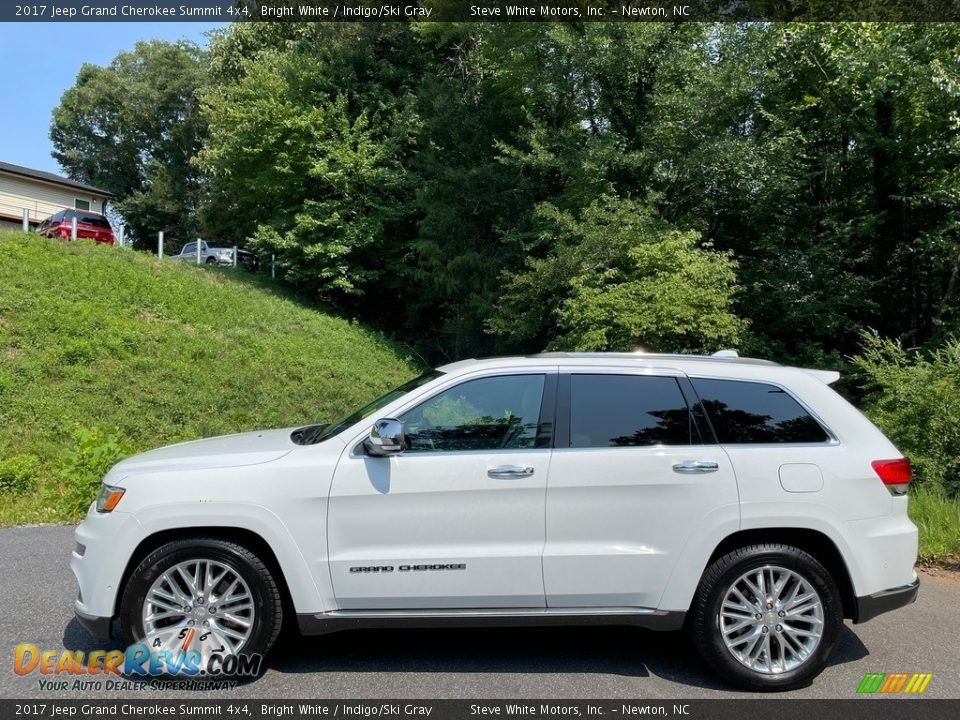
(307, 150)
(619, 278)
(468, 203)
(821, 155)
(134, 128)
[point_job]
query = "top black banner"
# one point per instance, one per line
(482, 11)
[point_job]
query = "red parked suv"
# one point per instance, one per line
(91, 225)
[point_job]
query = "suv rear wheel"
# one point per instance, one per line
(202, 594)
(767, 617)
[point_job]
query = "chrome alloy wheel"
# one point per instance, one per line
(771, 619)
(198, 605)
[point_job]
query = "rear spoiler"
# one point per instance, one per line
(827, 377)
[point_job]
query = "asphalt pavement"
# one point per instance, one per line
(36, 606)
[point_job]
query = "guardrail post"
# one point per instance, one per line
(273, 266)
(73, 228)
(120, 237)
(234, 255)
(160, 244)
(26, 219)
(199, 243)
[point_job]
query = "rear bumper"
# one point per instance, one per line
(869, 606)
(99, 627)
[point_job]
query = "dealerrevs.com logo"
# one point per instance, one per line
(137, 661)
(895, 683)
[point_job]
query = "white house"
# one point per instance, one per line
(42, 194)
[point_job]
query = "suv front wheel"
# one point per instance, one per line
(767, 617)
(202, 594)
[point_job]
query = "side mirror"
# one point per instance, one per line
(386, 438)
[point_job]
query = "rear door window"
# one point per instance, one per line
(627, 411)
(752, 413)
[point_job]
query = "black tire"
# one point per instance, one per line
(259, 577)
(715, 583)
(211, 261)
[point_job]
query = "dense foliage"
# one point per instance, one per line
(438, 180)
(616, 279)
(107, 352)
(915, 399)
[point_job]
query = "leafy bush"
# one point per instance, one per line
(914, 397)
(620, 277)
(93, 453)
(938, 519)
(18, 473)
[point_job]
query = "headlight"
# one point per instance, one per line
(108, 497)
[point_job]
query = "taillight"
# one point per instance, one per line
(895, 474)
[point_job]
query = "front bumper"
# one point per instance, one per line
(103, 545)
(869, 606)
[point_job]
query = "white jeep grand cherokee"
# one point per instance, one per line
(741, 498)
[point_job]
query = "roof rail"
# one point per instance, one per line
(721, 356)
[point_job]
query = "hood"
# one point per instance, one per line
(251, 448)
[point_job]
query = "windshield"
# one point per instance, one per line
(370, 408)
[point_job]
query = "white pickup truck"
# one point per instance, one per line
(210, 255)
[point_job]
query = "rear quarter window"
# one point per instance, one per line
(752, 413)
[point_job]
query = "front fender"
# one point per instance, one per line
(307, 597)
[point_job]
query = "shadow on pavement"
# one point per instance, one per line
(623, 651)
(75, 638)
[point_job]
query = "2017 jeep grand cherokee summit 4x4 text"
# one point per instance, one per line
(743, 499)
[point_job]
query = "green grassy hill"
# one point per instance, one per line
(106, 351)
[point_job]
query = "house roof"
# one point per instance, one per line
(12, 169)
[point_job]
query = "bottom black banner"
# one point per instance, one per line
(782, 709)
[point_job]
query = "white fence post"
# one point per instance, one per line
(120, 237)
(273, 266)
(26, 219)
(160, 244)
(234, 255)
(73, 228)
(199, 243)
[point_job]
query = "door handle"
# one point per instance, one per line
(691, 467)
(506, 472)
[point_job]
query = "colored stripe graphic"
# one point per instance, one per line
(871, 682)
(898, 684)
(894, 683)
(924, 680)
